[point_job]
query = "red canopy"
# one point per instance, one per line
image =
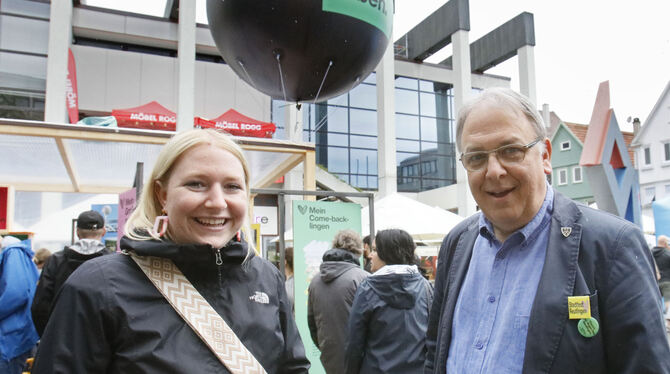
(152, 116)
(199, 122)
(238, 124)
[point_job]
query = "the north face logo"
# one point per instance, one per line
(260, 297)
(302, 209)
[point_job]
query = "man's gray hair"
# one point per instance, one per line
(504, 97)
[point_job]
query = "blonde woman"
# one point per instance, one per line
(110, 318)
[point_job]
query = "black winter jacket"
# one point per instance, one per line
(109, 318)
(387, 325)
(662, 258)
(57, 270)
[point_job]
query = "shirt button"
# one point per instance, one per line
(479, 345)
(492, 299)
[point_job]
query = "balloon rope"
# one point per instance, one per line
(247, 73)
(281, 76)
(251, 81)
(330, 63)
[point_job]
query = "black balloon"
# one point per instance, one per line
(258, 38)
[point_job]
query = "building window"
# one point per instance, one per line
(344, 130)
(577, 174)
(565, 146)
(667, 190)
(666, 152)
(649, 194)
(647, 156)
(562, 177)
(24, 42)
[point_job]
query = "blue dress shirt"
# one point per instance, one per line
(493, 309)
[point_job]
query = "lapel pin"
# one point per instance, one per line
(566, 231)
(588, 327)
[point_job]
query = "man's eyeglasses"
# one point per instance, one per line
(507, 155)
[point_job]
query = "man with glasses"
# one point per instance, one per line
(535, 283)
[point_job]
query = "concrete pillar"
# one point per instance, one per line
(386, 154)
(293, 180)
(60, 35)
(462, 91)
(527, 72)
(186, 66)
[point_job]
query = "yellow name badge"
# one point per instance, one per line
(579, 307)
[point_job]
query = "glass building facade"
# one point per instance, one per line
(24, 42)
(344, 130)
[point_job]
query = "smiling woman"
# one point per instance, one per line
(131, 319)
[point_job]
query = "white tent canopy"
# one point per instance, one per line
(423, 222)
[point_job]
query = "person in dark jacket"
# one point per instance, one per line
(535, 283)
(90, 230)
(389, 317)
(331, 294)
(661, 254)
(192, 215)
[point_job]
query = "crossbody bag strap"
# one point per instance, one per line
(199, 315)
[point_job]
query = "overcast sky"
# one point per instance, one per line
(578, 45)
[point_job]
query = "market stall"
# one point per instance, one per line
(151, 116)
(238, 124)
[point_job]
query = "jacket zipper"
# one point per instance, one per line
(219, 262)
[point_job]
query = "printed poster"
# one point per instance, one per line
(127, 202)
(315, 223)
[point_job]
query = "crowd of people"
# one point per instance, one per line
(532, 283)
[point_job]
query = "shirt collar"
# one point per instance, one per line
(547, 208)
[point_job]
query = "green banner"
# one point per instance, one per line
(314, 226)
(378, 13)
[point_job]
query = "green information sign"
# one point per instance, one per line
(378, 13)
(314, 226)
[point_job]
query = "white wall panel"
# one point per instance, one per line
(158, 80)
(112, 79)
(155, 29)
(91, 77)
(123, 80)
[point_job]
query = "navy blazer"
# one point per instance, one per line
(592, 253)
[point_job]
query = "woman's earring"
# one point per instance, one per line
(239, 236)
(160, 226)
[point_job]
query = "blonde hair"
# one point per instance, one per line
(141, 221)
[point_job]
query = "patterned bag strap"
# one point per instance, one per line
(199, 315)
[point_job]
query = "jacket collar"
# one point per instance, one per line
(232, 253)
(87, 246)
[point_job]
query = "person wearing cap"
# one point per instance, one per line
(90, 230)
(18, 276)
